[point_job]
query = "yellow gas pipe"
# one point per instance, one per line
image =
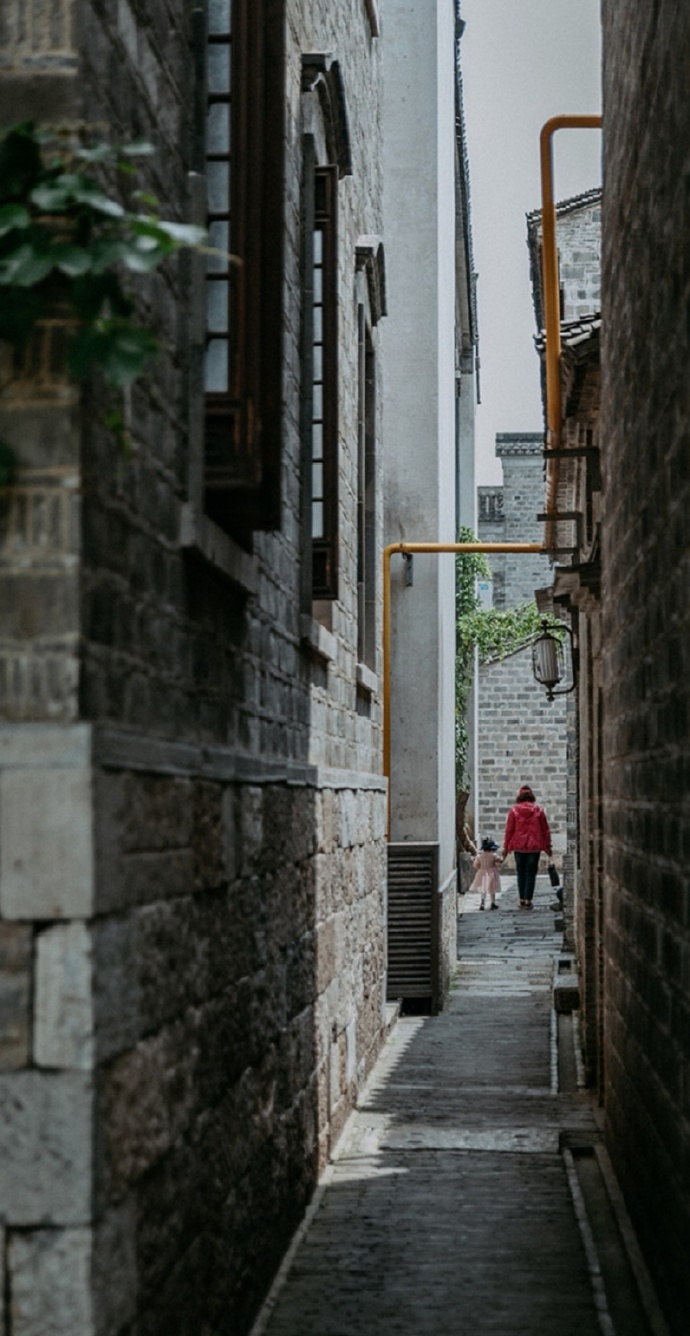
(409, 549)
(552, 303)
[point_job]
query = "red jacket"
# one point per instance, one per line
(527, 829)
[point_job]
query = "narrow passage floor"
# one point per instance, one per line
(458, 1201)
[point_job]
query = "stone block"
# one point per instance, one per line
(349, 824)
(115, 986)
(251, 829)
(156, 812)
(63, 1020)
(45, 1148)
(147, 1097)
(114, 1269)
(46, 844)
(15, 995)
(566, 993)
(49, 1273)
(326, 954)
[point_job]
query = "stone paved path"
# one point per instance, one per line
(448, 1209)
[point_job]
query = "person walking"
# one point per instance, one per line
(527, 834)
(487, 880)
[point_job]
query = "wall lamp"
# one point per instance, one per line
(549, 661)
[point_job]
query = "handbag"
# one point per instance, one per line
(553, 874)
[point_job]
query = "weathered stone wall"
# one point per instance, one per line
(192, 840)
(646, 626)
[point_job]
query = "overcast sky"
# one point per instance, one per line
(523, 61)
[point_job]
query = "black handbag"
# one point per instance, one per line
(553, 874)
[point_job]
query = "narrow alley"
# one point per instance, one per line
(469, 1191)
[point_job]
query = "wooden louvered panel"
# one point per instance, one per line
(412, 921)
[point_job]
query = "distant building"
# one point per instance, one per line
(521, 737)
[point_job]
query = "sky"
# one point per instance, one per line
(522, 62)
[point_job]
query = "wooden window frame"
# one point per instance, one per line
(244, 426)
(324, 546)
(366, 493)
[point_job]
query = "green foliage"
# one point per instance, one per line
(64, 239)
(494, 634)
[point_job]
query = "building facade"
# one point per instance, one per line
(521, 737)
(620, 492)
(429, 445)
(192, 877)
(645, 621)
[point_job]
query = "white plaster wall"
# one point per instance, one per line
(419, 208)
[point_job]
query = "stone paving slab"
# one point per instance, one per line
(447, 1209)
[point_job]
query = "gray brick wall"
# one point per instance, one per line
(521, 741)
(646, 624)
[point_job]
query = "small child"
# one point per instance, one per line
(487, 880)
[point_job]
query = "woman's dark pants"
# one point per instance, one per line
(526, 866)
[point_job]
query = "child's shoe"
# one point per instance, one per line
(481, 904)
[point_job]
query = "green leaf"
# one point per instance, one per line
(13, 216)
(149, 200)
(143, 255)
(142, 226)
(99, 153)
(106, 251)
(93, 197)
(72, 260)
(119, 351)
(138, 148)
(184, 234)
(53, 196)
(26, 267)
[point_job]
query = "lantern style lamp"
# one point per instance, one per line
(548, 661)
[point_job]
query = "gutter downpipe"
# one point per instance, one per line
(410, 549)
(552, 311)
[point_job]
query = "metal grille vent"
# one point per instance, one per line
(413, 929)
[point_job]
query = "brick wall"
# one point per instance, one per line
(521, 741)
(646, 621)
(192, 839)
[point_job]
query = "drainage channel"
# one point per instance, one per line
(624, 1295)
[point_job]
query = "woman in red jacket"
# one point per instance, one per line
(527, 833)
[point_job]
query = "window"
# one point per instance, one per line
(244, 176)
(324, 385)
(366, 482)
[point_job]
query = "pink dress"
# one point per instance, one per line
(487, 880)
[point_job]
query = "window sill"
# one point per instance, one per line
(318, 639)
(367, 681)
(199, 534)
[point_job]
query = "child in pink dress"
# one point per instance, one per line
(487, 880)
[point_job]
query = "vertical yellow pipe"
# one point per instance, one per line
(387, 679)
